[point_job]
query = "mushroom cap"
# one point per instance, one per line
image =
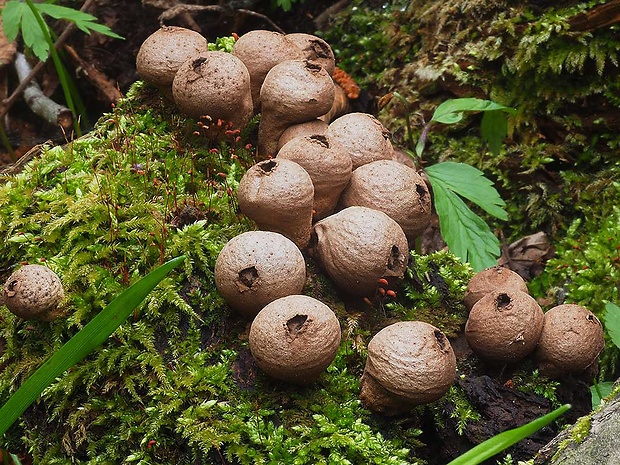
(215, 84)
(504, 326)
(363, 136)
(260, 50)
(357, 246)
(33, 292)
(328, 167)
(485, 281)
(294, 91)
(256, 268)
(412, 362)
(571, 340)
(278, 195)
(393, 188)
(295, 338)
(314, 49)
(163, 52)
(307, 128)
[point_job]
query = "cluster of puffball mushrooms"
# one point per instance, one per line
(330, 186)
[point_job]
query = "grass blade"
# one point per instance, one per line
(496, 444)
(85, 341)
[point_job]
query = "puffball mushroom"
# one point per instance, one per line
(278, 195)
(395, 189)
(294, 91)
(34, 292)
(485, 281)
(215, 84)
(295, 338)
(571, 340)
(314, 49)
(363, 136)
(409, 363)
(504, 326)
(256, 268)
(358, 246)
(260, 50)
(328, 167)
(307, 128)
(163, 52)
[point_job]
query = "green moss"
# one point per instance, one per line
(176, 383)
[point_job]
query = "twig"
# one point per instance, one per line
(10, 101)
(108, 90)
(184, 8)
(39, 103)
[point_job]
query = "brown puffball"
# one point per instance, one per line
(358, 246)
(314, 49)
(571, 340)
(217, 85)
(260, 50)
(504, 326)
(163, 52)
(294, 91)
(485, 281)
(278, 195)
(409, 363)
(295, 338)
(393, 188)
(328, 167)
(256, 268)
(363, 136)
(307, 128)
(34, 292)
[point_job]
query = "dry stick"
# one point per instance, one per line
(37, 101)
(10, 101)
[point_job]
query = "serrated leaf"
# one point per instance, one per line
(470, 183)
(451, 111)
(33, 36)
(612, 322)
(84, 21)
(12, 17)
(466, 234)
(494, 129)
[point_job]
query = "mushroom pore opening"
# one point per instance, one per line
(441, 339)
(294, 324)
(421, 190)
(395, 259)
(248, 276)
(268, 166)
(197, 63)
(503, 300)
(321, 139)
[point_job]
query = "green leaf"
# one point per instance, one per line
(494, 129)
(451, 111)
(84, 21)
(85, 341)
(12, 17)
(498, 443)
(469, 182)
(466, 234)
(600, 391)
(33, 36)
(612, 322)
